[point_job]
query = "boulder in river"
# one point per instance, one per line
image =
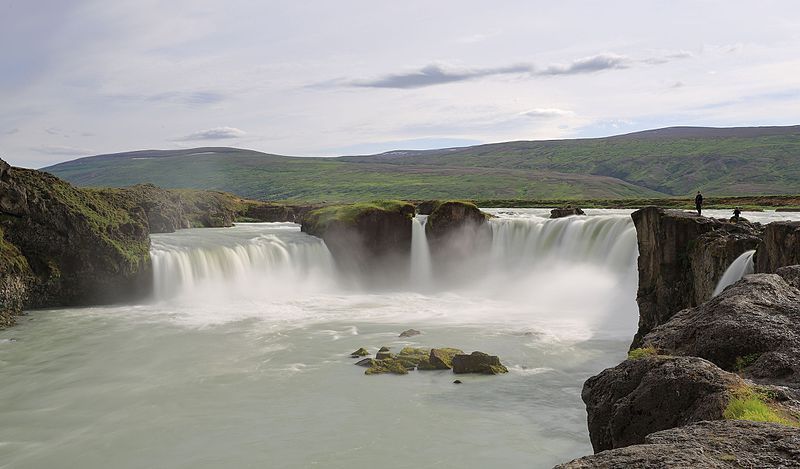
(361, 352)
(388, 365)
(565, 212)
(478, 362)
(383, 352)
(442, 358)
(410, 333)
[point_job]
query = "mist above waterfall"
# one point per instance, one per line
(576, 274)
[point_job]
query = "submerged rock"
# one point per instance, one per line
(717, 444)
(361, 352)
(410, 333)
(642, 396)
(365, 362)
(389, 365)
(565, 212)
(752, 327)
(413, 357)
(478, 362)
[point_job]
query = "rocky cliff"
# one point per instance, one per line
(681, 259)
(79, 247)
(719, 444)
(368, 239)
(457, 232)
(780, 246)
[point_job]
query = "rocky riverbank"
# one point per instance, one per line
(66, 246)
(702, 368)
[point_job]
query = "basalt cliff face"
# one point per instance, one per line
(681, 259)
(457, 231)
(700, 366)
(67, 246)
(368, 239)
(780, 247)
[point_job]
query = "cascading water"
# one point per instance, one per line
(741, 266)
(250, 261)
(420, 253)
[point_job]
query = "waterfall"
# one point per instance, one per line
(249, 260)
(743, 265)
(420, 253)
(538, 243)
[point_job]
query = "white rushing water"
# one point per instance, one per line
(241, 359)
(741, 266)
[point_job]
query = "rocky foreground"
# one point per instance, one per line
(709, 382)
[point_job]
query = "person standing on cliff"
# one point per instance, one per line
(698, 203)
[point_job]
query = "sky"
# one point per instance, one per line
(326, 78)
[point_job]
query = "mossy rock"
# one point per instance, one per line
(412, 357)
(478, 362)
(442, 358)
(361, 352)
(389, 365)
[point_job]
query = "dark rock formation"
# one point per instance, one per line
(718, 444)
(410, 333)
(478, 362)
(442, 358)
(565, 212)
(361, 352)
(638, 397)
(780, 246)
(370, 239)
(457, 232)
(80, 247)
(426, 207)
(681, 259)
(752, 327)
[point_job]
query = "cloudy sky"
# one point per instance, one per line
(337, 77)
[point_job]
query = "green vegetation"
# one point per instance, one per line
(643, 352)
(647, 165)
(11, 260)
(317, 220)
(752, 404)
(745, 361)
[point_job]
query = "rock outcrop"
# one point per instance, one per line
(717, 444)
(478, 362)
(780, 246)
(752, 327)
(565, 212)
(80, 248)
(681, 259)
(370, 239)
(638, 397)
(458, 233)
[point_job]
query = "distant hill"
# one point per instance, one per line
(673, 161)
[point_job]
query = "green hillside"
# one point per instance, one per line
(665, 162)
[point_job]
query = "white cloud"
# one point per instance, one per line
(547, 113)
(217, 133)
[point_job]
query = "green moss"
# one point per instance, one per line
(388, 365)
(318, 220)
(745, 361)
(749, 403)
(11, 260)
(642, 352)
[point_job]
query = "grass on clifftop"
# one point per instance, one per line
(757, 406)
(349, 213)
(643, 352)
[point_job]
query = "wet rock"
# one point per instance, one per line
(780, 247)
(442, 358)
(681, 259)
(717, 444)
(383, 353)
(565, 212)
(458, 381)
(361, 352)
(410, 333)
(365, 238)
(366, 362)
(388, 365)
(478, 362)
(642, 396)
(458, 235)
(412, 357)
(752, 327)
